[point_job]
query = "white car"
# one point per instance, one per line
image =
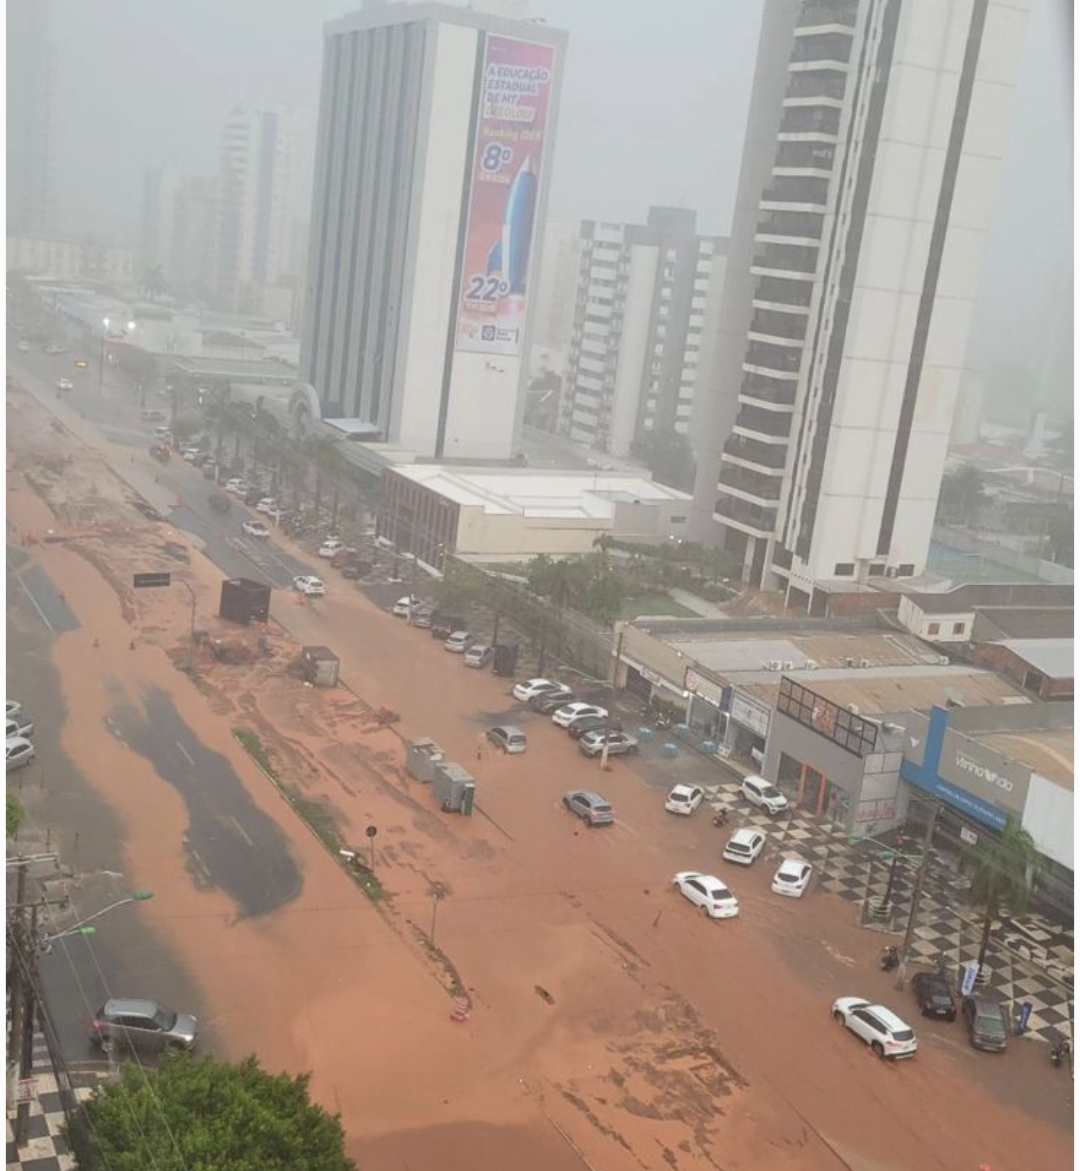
(886, 1034)
(19, 752)
(237, 486)
(758, 791)
(525, 691)
(311, 586)
(792, 878)
(330, 547)
(13, 707)
(458, 642)
(565, 715)
(707, 892)
(65, 384)
(254, 528)
(267, 504)
(16, 727)
(190, 454)
(684, 799)
(23, 347)
(404, 607)
(743, 846)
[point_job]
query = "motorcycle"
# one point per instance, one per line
(890, 959)
(721, 819)
(1059, 1053)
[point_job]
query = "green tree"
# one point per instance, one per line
(184, 426)
(1001, 870)
(1059, 535)
(962, 497)
(324, 454)
(206, 1114)
(667, 454)
(16, 815)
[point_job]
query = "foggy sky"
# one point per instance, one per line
(653, 111)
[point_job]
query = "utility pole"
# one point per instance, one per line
(916, 894)
(23, 984)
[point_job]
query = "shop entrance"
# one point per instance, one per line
(811, 791)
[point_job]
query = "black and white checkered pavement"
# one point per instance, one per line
(1029, 960)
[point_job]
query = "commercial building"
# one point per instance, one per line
(255, 214)
(71, 260)
(873, 147)
(196, 213)
(642, 297)
(514, 513)
(31, 119)
(436, 132)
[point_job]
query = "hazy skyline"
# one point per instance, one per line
(653, 112)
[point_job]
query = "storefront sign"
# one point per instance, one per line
(703, 688)
(843, 727)
(750, 714)
(984, 771)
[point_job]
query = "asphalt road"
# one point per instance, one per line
(231, 844)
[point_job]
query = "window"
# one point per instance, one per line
(844, 569)
(907, 570)
(933, 628)
(677, 520)
(958, 628)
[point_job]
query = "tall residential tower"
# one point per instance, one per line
(436, 131)
(871, 161)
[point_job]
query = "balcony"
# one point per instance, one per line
(775, 323)
(799, 225)
(765, 356)
(813, 83)
(822, 47)
(810, 120)
(763, 488)
(807, 156)
(767, 390)
(798, 190)
(777, 290)
(819, 13)
(760, 520)
(752, 451)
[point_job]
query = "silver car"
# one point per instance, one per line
(144, 1025)
(19, 752)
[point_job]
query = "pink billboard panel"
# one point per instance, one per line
(508, 153)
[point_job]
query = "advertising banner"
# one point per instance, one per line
(515, 99)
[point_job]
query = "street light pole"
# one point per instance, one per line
(101, 369)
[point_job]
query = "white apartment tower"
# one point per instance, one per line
(872, 154)
(255, 210)
(642, 299)
(436, 131)
(196, 218)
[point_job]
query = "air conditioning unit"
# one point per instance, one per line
(810, 665)
(943, 660)
(775, 665)
(789, 666)
(850, 662)
(853, 708)
(865, 663)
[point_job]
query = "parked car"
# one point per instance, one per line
(684, 799)
(18, 727)
(421, 618)
(589, 806)
(886, 1034)
(163, 432)
(442, 627)
(150, 415)
(565, 715)
(934, 996)
(144, 1025)
(582, 725)
(356, 569)
(330, 547)
(618, 744)
(253, 495)
(479, 655)
(312, 587)
(12, 708)
(707, 892)
(759, 792)
(343, 556)
(210, 470)
(550, 701)
(458, 642)
(19, 752)
(509, 738)
(792, 877)
(65, 384)
(984, 1020)
(525, 690)
(403, 607)
(744, 846)
(191, 455)
(266, 504)
(237, 486)
(255, 528)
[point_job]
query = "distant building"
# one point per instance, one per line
(31, 119)
(866, 192)
(436, 132)
(71, 260)
(967, 418)
(560, 262)
(155, 222)
(642, 298)
(255, 214)
(192, 268)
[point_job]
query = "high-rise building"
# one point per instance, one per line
(872, 153)
(434, 150)
(31, 112)
(192, 269)
(642, 297)
(559, 263)
(255, 225)
(155, 224)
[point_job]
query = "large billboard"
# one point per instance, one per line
(515, 100)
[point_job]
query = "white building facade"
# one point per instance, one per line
(436, 132)
(867, 239)
(255, 210)
(643, 294)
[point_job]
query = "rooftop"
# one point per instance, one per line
(1049, 753)
(584, 495)
(998, 622)
(970, 597)
(1052, 657)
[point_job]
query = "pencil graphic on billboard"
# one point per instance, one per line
(515, 98)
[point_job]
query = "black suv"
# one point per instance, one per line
(934, 996)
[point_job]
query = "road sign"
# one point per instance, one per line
(148, 581)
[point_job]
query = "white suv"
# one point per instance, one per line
(758, 791)
(886, 1034)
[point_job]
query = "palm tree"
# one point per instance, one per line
(1000, 869)
(324, 456)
